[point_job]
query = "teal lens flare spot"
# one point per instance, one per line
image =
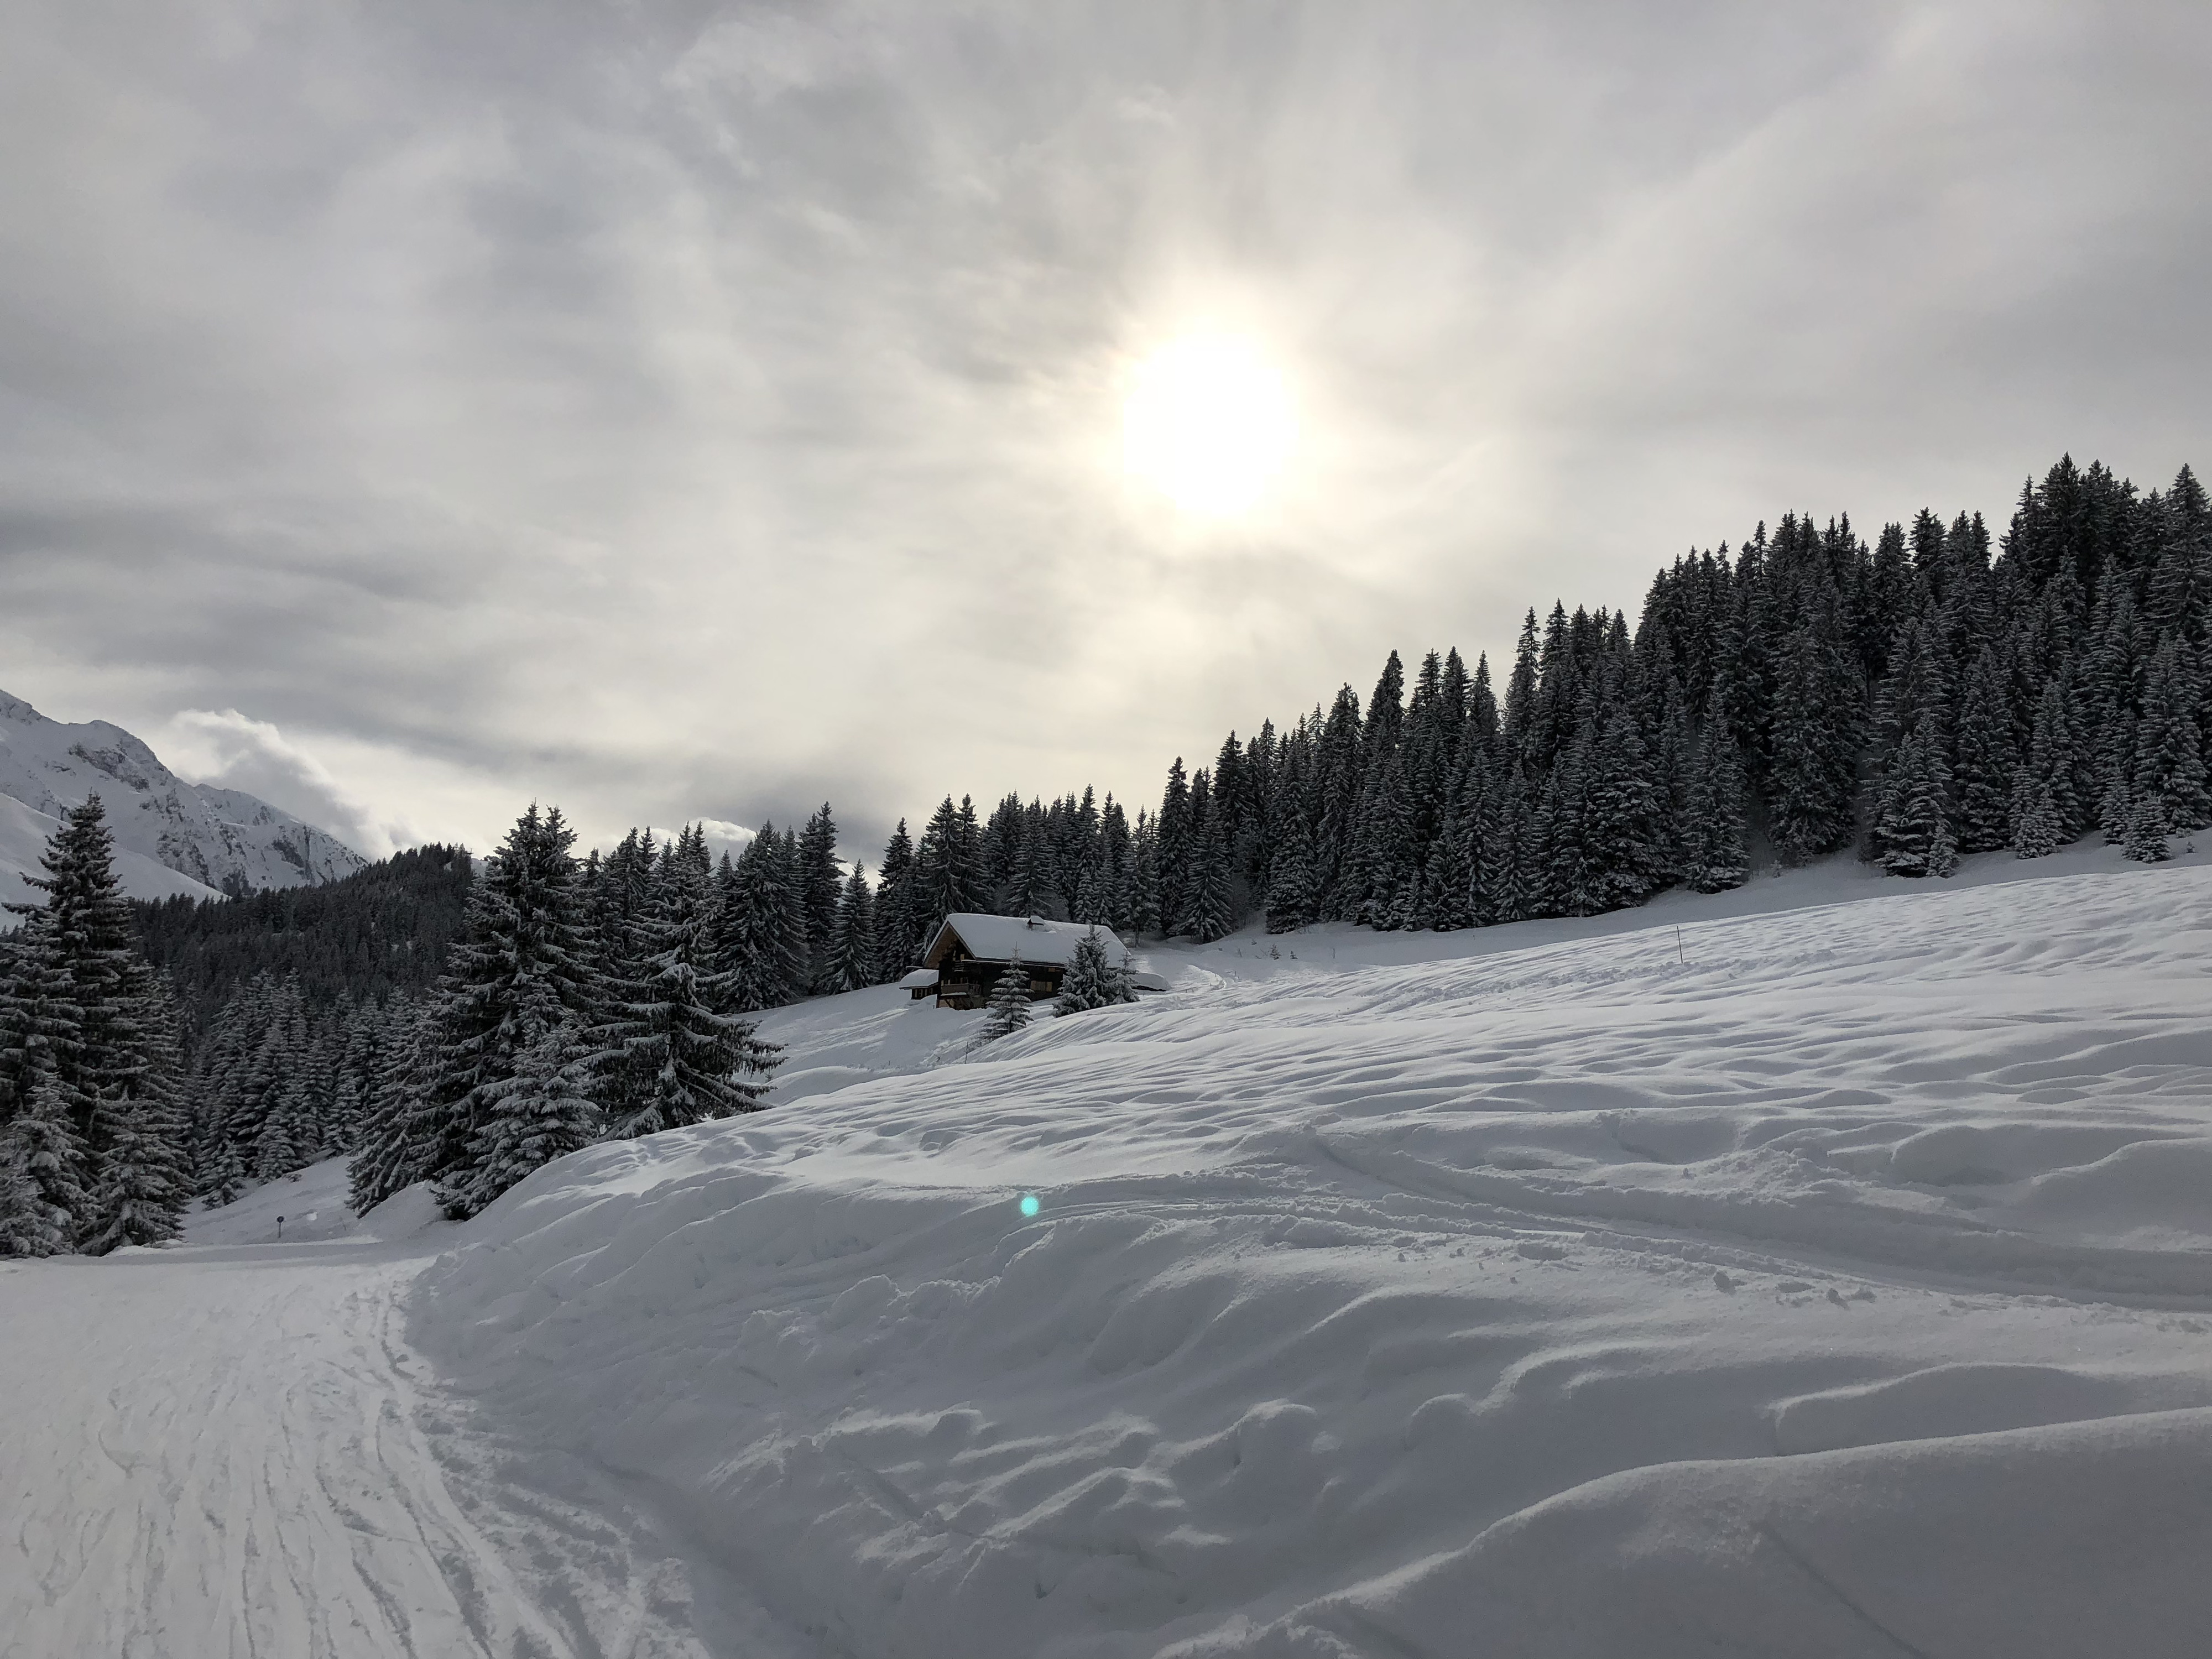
(1029, 1204)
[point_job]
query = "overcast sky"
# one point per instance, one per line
(408, 410)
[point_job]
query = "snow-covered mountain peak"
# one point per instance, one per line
(171, 836)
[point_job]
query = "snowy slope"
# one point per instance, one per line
(214, 839)
(1836, 1280)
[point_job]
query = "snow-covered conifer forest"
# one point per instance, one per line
(1443, 1252)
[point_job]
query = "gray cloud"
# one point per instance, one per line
(676, 410)
(225, 748)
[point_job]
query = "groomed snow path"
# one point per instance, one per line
(223, 1451)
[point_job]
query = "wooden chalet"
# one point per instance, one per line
(968, 952)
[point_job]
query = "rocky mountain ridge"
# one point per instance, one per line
(171, 836)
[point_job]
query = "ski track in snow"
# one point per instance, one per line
(232, 1453)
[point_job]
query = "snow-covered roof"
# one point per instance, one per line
(919, 979)
(996, 938)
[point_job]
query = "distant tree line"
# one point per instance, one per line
(1924, 697)
(1937, 693)
(380, 932)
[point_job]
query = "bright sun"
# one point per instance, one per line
(1208, 424)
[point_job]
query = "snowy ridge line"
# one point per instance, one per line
(172, 837)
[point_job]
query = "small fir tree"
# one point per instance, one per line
(224, 1180)
(275, 1149)
(2040, 830)
(1093, 979)
(1914, 836)
(1007, 1008)
(2147, 831)
(26, 1224)
(51, 1157)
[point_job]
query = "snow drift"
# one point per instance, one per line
(1832, 1281)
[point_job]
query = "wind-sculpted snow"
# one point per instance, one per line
(1832, 1281)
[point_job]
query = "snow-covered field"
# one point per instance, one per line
(1835, 1281)
(1827, 1279)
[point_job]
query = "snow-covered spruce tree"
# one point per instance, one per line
(520, 964)
(143, 1188)
(87, 1007)
(1023, 891)
(2147, 831)
(43, 1143)
(1007, 1008)
(2046, 812)
(853, 947)
(39, 1017)
(1497, 879)
(1290, 887)
(896, 944)
(1448, 885)
(223, 1179)
(400, 1128)
(1814, 745)
(2169, 753)
(673, 1049)
(144, 1181)
(1915, 836)
(345, 1114)
(1209, 917)
(1092, 979)
(256, 1055)
(1982, 783)
(276, 1148)
(1622, 829)
(26, 1224)
(542, 1112)
(817, 890)
(1714, 854)
(1557, 883)
(1172, 834)
(946, 876)
(783, 913)
(2115, 809)
(748, 926)
(2038, 827)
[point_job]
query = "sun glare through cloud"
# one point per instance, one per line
(1209, 423)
